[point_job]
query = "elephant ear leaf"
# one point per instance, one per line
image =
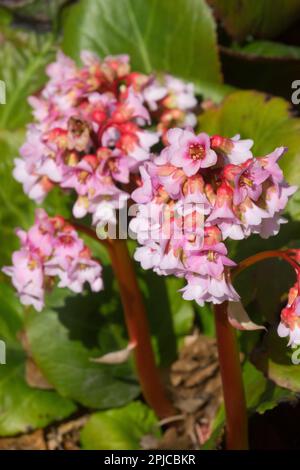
(176, 37)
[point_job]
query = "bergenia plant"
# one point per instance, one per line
(114, 138)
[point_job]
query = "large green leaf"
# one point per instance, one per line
(73, 325)
(266, 120)
(121, 429)
(275, 359)
(258, 18)
(174, 36)
(22, 408)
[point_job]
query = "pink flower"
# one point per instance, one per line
(134, 105)
(82, 176)
(210, 260)
(269, 163)
(84, 270)
(189, 151)
(223, 208)
(144, 192)
(76, 272)
(208, 289)
(248, 182)
(149, 256)
(51, 248)
(172, 179)
(27, 277)
(290, 318)
(181, 94)
(236, 150)
(67, 244)
(174, 92)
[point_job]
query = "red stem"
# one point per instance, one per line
(246, 263)
(137, 324)
(231, 374)
(230, 366)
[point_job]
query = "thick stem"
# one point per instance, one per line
(233, 389)
(137, 324)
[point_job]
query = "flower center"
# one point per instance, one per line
(211, 256)
(67, 240)
(197, 151)
(32, 265)
(82, 176)
(246, 180)
(113, 166)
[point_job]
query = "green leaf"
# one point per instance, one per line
(73, 323)
(177, 37)
(274, 358)
(23, 57)
(268, 121)
(16, 208)
(11, 314)
(120, 429)
(262, 395)
(5, 16)
(258, 18)
(206, 319)
(269, 49)
(22, 408)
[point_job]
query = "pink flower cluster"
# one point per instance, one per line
(290, 315)
(92, 130)
(198, 192)
(290, 318)
(51, 249)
